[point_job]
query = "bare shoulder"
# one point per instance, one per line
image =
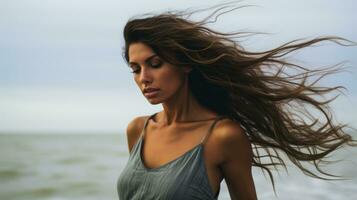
(133, 130)
(234, 146)
(231, 139)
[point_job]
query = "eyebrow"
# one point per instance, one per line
(146, 60)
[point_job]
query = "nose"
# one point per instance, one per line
(145, 76)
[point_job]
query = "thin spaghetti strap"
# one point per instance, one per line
(145, 124)
(210, 128)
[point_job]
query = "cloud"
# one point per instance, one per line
(61, 67)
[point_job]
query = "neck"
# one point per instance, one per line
(183, 107)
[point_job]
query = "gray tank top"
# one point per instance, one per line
(182, 178)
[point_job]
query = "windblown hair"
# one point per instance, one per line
(252, 88)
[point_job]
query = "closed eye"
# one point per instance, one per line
(155, 63)
(133, 67)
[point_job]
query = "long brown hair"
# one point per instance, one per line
(252, 88)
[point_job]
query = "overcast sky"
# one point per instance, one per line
(61, 68)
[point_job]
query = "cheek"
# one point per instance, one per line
(136, 79)
(170, 81)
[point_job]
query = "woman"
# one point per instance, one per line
(224, 111)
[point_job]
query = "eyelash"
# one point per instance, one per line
(134, 72)
(154, 66)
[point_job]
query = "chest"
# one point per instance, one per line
(162, 147)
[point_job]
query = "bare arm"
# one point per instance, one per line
(236, 167)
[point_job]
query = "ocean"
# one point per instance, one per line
(86, 167)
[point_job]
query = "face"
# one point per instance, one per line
(150, 71)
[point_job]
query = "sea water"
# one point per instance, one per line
(86, 167)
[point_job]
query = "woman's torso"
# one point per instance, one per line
(189, 176)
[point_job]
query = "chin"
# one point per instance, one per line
(154, 101)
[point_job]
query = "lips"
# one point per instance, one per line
(147, 90)
(151, 92)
